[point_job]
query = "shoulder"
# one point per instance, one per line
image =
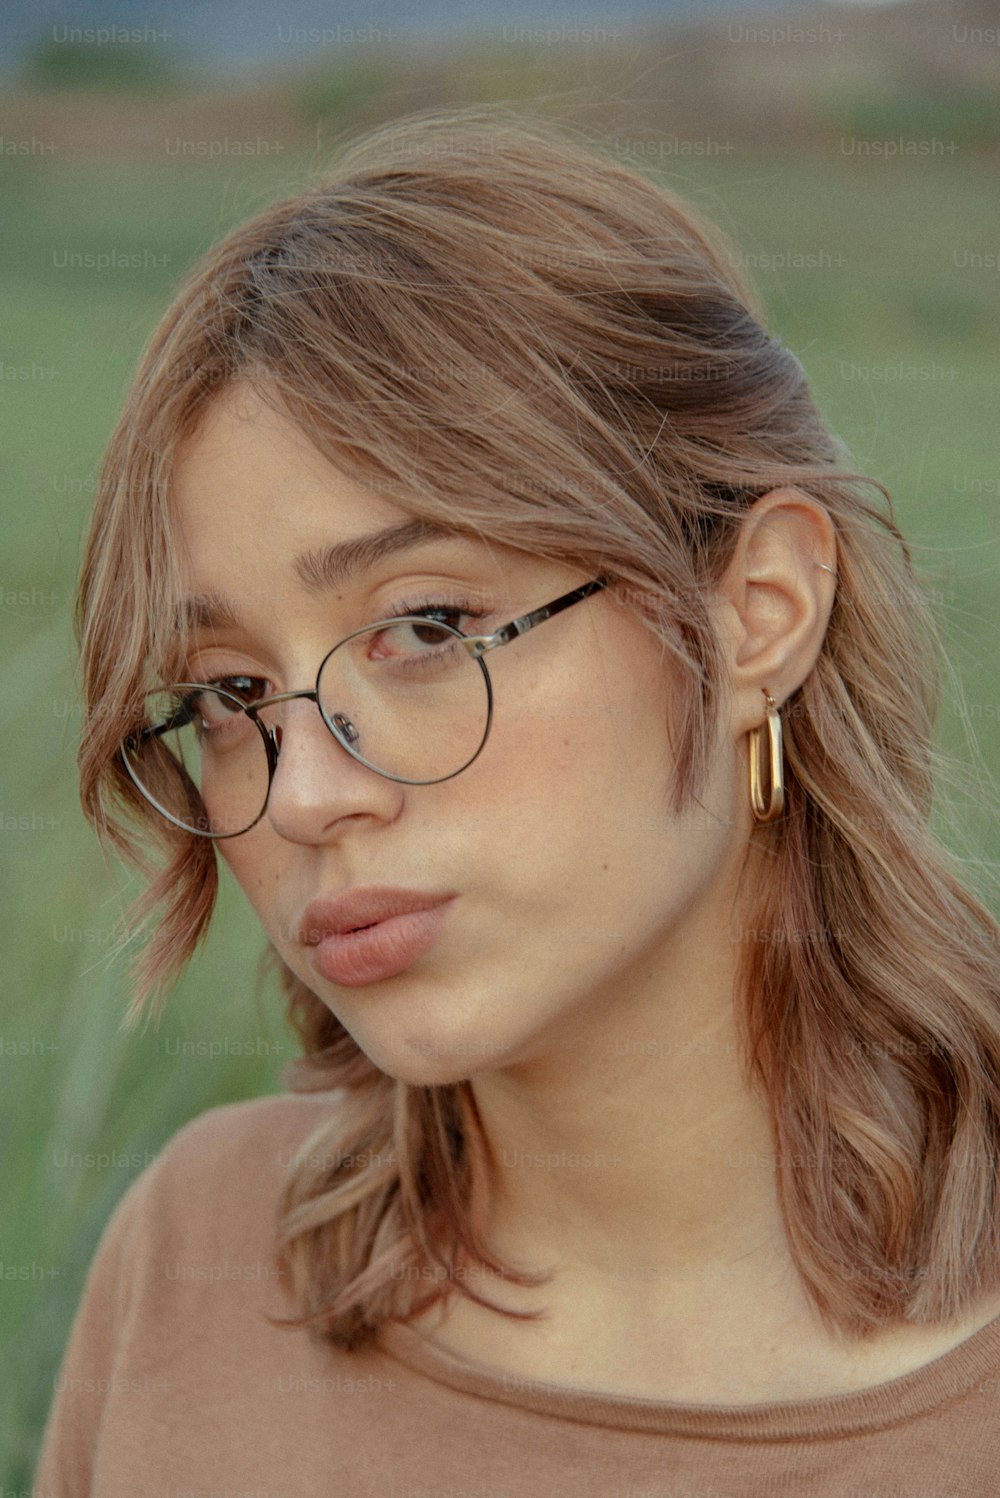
(259, 1134)
(184, 1262)
(220, 1175)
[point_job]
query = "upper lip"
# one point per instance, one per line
(362, 907)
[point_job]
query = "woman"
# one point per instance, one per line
(474, 574)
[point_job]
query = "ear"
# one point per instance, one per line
(775, 601)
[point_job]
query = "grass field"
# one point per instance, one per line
(868, 270)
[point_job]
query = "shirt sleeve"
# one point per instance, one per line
(86, 1376)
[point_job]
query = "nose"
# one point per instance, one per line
(317, 783)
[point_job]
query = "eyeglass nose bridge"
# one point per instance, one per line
(342, 729)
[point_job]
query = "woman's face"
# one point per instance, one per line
(570, 895)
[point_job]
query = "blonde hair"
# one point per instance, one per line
(566, 362)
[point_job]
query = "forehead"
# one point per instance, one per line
(248, 464)
(255, 508)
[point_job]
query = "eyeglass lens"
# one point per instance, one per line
(405, 698)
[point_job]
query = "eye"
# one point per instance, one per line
(248, 689)
(432, 636)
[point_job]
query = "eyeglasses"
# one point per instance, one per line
(410, 697)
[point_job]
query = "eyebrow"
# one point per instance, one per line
(321, 569)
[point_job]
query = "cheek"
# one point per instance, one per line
(256, 873)
(568, 786)
(575, 730)
(580, 801)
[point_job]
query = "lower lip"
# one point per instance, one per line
(380, 951)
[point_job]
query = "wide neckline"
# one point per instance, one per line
(968, 1370)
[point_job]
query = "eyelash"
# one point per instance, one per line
(428, 605)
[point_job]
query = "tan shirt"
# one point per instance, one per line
(174, 1386)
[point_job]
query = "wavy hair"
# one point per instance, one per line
(504, 329)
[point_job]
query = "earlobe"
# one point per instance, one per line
(780, 585)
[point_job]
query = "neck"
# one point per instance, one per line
(637, 1151)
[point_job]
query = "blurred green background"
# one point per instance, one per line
(855, 173)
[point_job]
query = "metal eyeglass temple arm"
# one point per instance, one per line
(478, 645)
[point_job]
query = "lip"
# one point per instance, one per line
(371, 933)
(363, 906)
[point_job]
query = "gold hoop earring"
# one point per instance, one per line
(767, 811)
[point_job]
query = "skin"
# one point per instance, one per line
(585, 978)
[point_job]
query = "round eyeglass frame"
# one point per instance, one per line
(475, 645)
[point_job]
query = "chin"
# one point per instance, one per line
(426, 1063)
(425, 1058)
